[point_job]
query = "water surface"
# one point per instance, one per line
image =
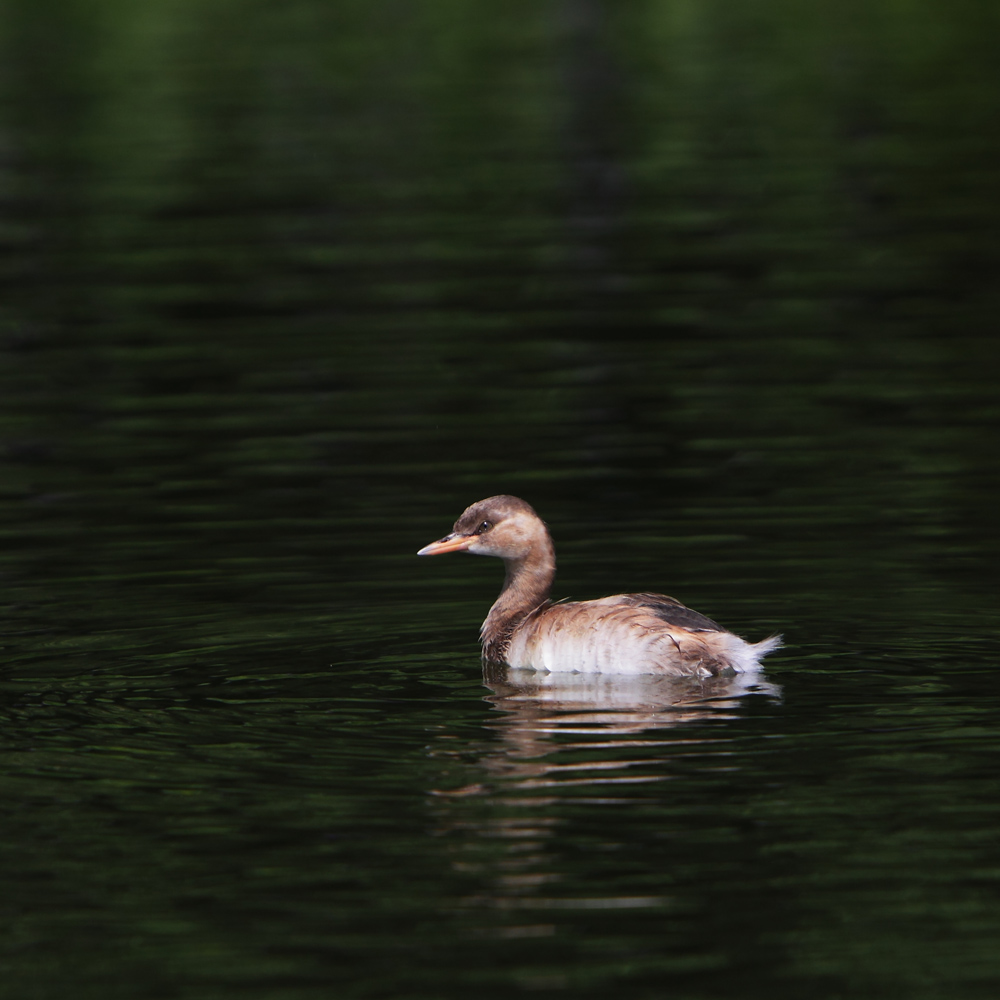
(284, 288)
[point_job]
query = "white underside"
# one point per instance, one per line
(637, 651)
(638, 692)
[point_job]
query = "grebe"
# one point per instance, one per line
(624, 634)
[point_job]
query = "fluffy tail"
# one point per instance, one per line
(740, 655)
(765, 646)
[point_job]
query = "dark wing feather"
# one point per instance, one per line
(674, 613)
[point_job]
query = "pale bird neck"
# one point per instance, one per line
(525, 588)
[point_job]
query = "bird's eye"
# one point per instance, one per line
(485, 526)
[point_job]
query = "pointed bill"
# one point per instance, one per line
(450, 543)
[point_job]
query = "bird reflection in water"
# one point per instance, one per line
(570, 742)
(539, 706)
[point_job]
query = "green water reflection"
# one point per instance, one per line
(284, 287)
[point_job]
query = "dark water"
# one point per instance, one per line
(284, 287)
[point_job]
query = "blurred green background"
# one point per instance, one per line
(373, 259)
(284, 286)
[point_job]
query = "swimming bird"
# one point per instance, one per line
(623, 634)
